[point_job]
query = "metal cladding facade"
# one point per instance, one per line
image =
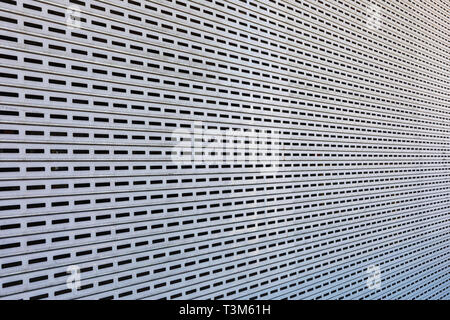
(229, 149)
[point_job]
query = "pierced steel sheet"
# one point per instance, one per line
(233, 149)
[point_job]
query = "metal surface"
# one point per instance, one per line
(224, 149)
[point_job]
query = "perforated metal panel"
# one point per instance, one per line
(235, 149)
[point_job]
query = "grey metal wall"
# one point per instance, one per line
(349, 196)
